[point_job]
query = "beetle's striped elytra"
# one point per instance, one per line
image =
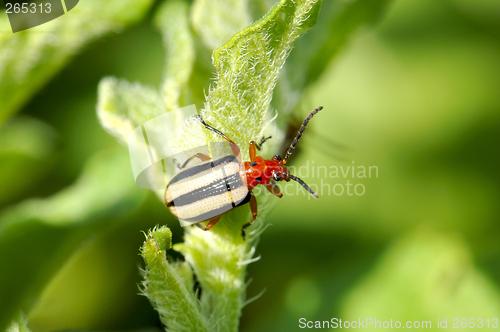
(205, 191)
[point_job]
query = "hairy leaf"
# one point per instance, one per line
(165, 286)
(248, 67)
(123, 106)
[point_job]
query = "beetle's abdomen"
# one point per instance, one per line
(206, 190)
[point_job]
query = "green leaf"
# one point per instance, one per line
(248, 67)
(29, 58)
(166, 289)
(123, 106)
(42, 233)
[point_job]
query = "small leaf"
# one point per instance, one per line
(214, 258)
(165, 287)
(123, 106)
(162, 238)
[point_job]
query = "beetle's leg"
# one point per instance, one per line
(253, 208)
(234, 147)
(274, 189)
(259, 146)
(253, 146)
(251, 151)
(236, 150)
(211, 223)
(201, 156)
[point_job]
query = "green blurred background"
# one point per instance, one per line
(417, 95)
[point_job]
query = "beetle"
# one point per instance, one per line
(206, 191)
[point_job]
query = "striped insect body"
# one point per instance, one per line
(207, 190)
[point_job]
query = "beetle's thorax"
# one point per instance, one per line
(261, 171)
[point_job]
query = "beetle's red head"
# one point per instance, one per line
(262, 171)
(281, 173)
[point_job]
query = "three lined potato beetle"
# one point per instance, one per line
(205, 191)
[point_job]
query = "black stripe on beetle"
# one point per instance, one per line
(204, 190)
(201, 167)
(217, 187)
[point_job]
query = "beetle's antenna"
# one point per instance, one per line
(299, 134)
(303, 184)
(234, 147)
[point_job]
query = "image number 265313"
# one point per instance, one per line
(28, 7)
(27, 14)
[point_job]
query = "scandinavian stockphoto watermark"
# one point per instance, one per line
(362, 323)
(374, 323)
(26, 14)
(334, 180)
